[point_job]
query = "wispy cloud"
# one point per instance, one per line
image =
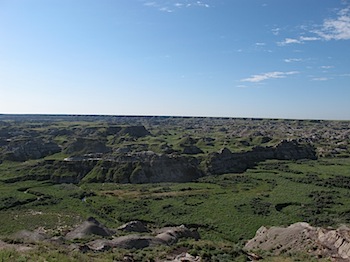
(299, 40)
(166, 9)
(150, 4)
(276, 31)
(291, 60)
(336, 28)
(345, 75)
(288, 41)
(269, 75)
(320, 79)
(326, 67)
(171, 6)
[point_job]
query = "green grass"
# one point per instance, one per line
(226, 209)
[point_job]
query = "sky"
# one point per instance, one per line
(219, 58)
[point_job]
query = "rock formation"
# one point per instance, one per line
(166, 236)
(301, 237)
(25, 149)
(86, 146)
(134, 131)
(166, 168)
(227, 162)
(134, 226)
(89, 227)
(149, 167)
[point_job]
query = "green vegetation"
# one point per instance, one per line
(226, 209)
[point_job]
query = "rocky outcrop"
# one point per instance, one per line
(301, 237)
(292, 150)
(166, 168)
(134, 131)
(126, 242)
(227, 162)
(89, 227)
(185, 257)
(105, 238)
(134, 226)
(171, 235)
(86, 146)
(22, 150)
(26, 236)
(192, 150)
(150, 167)
(166, 236)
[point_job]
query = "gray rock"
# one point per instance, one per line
(171, 235)
(301, 237)
(134, 226)
(22, 150)
(192, 150)
(134, 131)
(225, 161)
(166, 236)
(26, 236)
(89, 227)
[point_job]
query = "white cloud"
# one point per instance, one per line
(290, 60)
(308, 38)
(269, 75)
(299, 40)
(320, 79)
(200, 3)
(165, 9)
(327, 67)
(288, 41)
(150, 4)
(276, 31)
(171, 6)
(337, 28)
(260, 44)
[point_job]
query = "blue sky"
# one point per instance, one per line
(229, 58)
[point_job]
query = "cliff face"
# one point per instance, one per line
(86, 145)
(301, 237)
(134, 131)
(169, 168)
(292, 150)
(147, 166)
(22, 150)
(227, 162)
(143, 167)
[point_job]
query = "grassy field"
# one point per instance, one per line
(230, 207)
(226, 209)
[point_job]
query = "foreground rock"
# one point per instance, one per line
(134, 226)
(166, 236)
(171, 235)
(17, 247)
(89, 227)
(301, 237)
(26, 236)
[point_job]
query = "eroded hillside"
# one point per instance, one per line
(223, 178)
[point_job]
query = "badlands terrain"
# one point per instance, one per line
(132, 188)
